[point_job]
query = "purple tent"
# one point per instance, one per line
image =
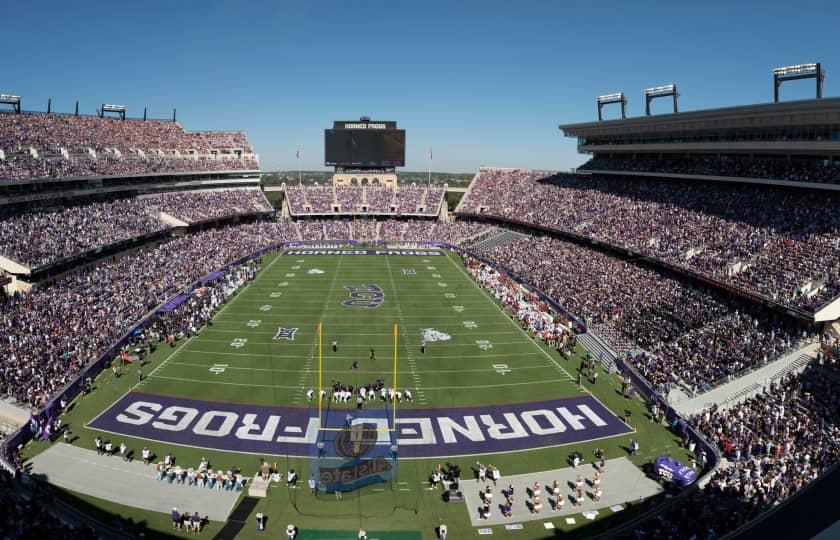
(670, 469)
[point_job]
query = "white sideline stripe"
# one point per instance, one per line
(254, 385)
(534, 343)
(182, 347)
(511, 321)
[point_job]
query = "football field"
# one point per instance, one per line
(483, 389)
(263, 347)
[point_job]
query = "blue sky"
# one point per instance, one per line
(483, 83)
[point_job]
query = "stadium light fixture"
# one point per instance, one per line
(811, 70)
(664, 90)
(119, 110)
(9, 99)
(796, 69)
(606, 99)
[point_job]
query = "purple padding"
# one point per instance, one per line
(173, 304)
(422, 433)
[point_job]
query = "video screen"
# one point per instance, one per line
(364, 147)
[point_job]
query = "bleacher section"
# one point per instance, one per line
(365, 200)
(36, 145)
(766, 241)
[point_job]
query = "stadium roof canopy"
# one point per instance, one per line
(785, 114)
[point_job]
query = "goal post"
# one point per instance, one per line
(354, 448)
(323, 424)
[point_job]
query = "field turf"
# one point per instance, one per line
(488, 359)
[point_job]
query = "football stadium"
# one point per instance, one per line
(199, 340)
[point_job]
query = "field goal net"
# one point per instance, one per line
(355, 447)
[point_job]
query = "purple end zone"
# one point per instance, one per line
(421, 433)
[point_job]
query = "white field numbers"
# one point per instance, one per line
(253, 323)
(218, 368)
(238, 343)
(484, 344)
(501, 369)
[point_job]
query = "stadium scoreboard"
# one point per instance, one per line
(364, 144)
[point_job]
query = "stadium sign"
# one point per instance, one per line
(418, 433)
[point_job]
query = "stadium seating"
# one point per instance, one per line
(632, 305)
(404, 200)
(41, 237)
(775, 443)
(768, 241)
(54, 146)
(50, 333)
(737, 166)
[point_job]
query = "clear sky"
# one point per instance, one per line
(482, 82)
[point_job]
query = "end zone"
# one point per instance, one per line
(420, 433)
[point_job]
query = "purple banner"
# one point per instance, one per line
(173, 304)
(421, 433)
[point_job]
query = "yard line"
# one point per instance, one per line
(254, 385)
(417, 380)
(438, 344)
(413, 372)
(331, 333)
(297, 356)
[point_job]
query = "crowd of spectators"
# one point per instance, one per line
(36, 238)
(25, 167)
(402, 200)
(693, 336)
(53, 331)
(51, 145)
(203, 302)
(770, 241)
(774, 444)
(795, 170)
(25, 513)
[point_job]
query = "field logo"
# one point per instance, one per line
(285, 333)
(315, 271)
(364, 296)
(430, 334)
(409, 271)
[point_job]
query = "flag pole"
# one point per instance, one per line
(395, 375)
(430, 166)
(298, 160)
(320, 371)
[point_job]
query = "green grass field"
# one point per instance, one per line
(488, 360)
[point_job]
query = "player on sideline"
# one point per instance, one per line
(310, 394)
(334, 345)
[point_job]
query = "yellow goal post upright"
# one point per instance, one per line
(321, 393)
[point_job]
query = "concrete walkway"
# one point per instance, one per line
(621, 482)
(128, 483)
(750, 384)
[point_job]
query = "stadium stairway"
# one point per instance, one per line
(746, 386)
(599, 349)
(503, 237)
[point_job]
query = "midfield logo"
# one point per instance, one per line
(285, 333)
(430, 334)
(364, 296)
